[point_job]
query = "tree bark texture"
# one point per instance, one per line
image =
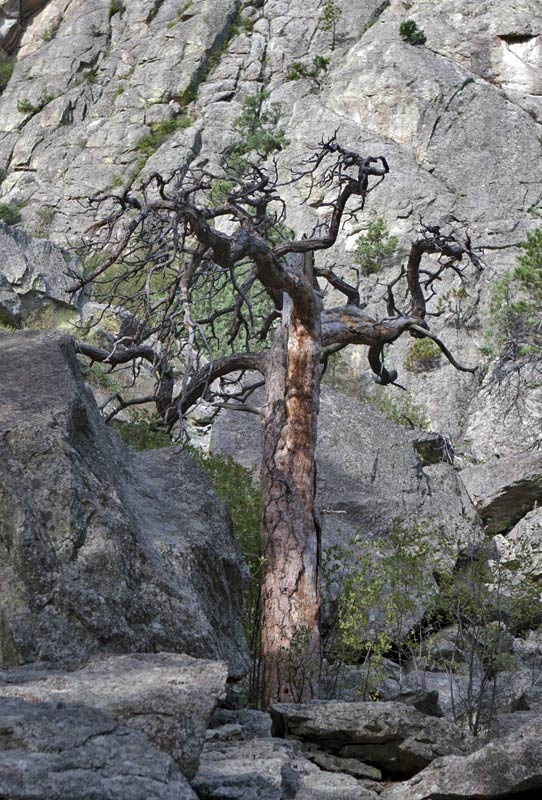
(290, 536)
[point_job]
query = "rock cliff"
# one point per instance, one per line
(103, 93)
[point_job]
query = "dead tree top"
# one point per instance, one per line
(201, 263)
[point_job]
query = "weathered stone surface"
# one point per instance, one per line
(458, 120)
(503, 768)
(350, 766)
(240, 761)
(10, 304)
(522, 547)
(371, 474)
(392, 736)
(505, 489)
(55, 752)
(36, 271)
(102, 549)
(168, 697)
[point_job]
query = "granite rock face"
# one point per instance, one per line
(34, 280)
(505, 489)
(240, 761)
(56, 752)
(102, 549)
(457, 118)
(371, 473)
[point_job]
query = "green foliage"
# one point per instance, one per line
(400, 409)
(25, 106)
(10, 213)
(160, 131)
(423, 354)
(301, 70)
(234, 484)
(514, 329)
(486, 604)
(329, 19)
(116, 7)
(143, 432)
(45, 216)
(375, 248)
(49, 33)
(382, 589)
(90, 74)
(98, 376)
(6, 70)
(220, 292)
(219, 192)
(258, 128)
(410, 33)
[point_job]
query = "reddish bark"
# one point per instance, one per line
(289, 530)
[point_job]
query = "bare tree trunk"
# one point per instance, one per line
(290, 533)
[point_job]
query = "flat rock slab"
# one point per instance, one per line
(168, 697)
(49, 751)
(505, 489)
(269, 769)
(392, 736)
(507, 767)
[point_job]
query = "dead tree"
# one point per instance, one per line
(220, 287)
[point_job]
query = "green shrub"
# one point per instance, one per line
(259, 132)
(143, 431)
(6, 70)
(410, 33)
(115, 7)
(514, 328)
(45, 216)
(10, 213)
(375, 248)
(299, 69)
(160, 131)
(423, 354)
(379, 591)
(25, 106)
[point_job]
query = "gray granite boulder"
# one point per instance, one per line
(240, 761)
(505, 489)
(508, 767)
(55, 752)
(166, 696)
(394, 737)
(103, 550)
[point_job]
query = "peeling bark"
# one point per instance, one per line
(289, 528)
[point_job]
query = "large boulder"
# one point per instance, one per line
(505, 489)
(371, 473)
(55, 752)
(394, 737)
(507, 767)
(166, 696)
(103, 549)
